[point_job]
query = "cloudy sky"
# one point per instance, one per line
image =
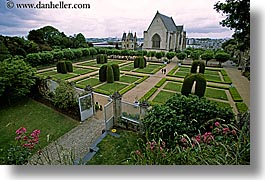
(110, 18)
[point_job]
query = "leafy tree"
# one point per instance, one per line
(207, 56)
(237, 14)
(4, 53)
(222, 57)
(65, 96)
(181, 55)
(16, 78)
(79, 41)
(33, 59)
(46, 57)
(93, 51)
(170, 55)
(195, 55)
(159, 55)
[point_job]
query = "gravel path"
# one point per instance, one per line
(241, 83)
(76, 141)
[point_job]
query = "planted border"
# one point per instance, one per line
(148, 94)
(235, 95)
(241, 107)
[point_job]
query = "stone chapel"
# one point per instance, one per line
(164, 35)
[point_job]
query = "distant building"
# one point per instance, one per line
(205, 43)
(164, 35)
(129, 41)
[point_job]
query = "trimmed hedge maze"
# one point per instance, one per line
(125, 83)
(166, 87)
(59, 76)
(216, 75)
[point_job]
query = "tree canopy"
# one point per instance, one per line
(237, 14)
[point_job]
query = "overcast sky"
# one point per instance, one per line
(110, 18)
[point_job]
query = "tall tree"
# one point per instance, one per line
(16, 78)
(237, 14)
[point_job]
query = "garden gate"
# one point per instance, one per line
(86, 106)
(109, 115)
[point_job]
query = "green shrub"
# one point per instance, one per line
(183, 115)
(161, 82)
(235, 95)
(102, 73)
(139, 62)
(102, 58)
(142, 63)
(181, 56)
(116, 71)
(148, 94)
(241, 107)
(109, 74)
(200, 86)
(61, 67)
(195, 64)
(136, 62)
(69, 66)
(65, 96)
(68, 54)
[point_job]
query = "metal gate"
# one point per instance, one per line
(109, 115)
(86, 106)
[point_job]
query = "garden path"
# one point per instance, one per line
(77, 141)
(241, 83)
(142, 88)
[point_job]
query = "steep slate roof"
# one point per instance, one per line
(168, 22)
(124, 36)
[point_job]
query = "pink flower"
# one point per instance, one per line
(137, 152)
(198, 138)
(233, 132)
(18, 137)
(217, 124)
(21, 130)
(207, 137)
(226, 130)
(183, 140)
(35, 133)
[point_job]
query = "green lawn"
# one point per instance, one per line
(110, 88)
(128, 79)
(216, 93)
(64, 76)
(82, 70)
(162, 97)
(115, 150)
(129, 67)
(151, 68)
(94, 63)
(222, 104)
(33, 115)
(173, 86)
(48, 73)
(89, 81)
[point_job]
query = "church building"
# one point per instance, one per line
(164, 35)
(129, 41)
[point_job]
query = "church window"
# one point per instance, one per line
(156, 41)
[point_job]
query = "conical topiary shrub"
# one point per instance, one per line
(110, 74)
(102, 73)
(116, 71)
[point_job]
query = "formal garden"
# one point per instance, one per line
(192, 114)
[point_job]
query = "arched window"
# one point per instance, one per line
(156, 41)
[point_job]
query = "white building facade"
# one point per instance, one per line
(164, 35)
